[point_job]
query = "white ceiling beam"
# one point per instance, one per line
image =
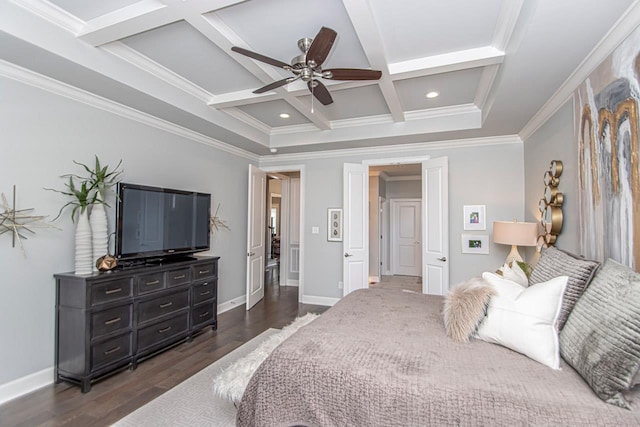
(143, 16)
(507, 19)
(224, 37)
(446, 62)
(244, 97)
(366, 28)
(51, 36)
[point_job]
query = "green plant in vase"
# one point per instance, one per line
(82, 196)
(91, 192)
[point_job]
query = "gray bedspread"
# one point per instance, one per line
(381, 358)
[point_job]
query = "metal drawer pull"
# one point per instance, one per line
(205, 284)
(113, 350)
(182, 276)
(205, 293)
(204, 271)
(112, 321)
(154, 282)
(167, 304)
(113, 291)
(163, 330)
(206, 313)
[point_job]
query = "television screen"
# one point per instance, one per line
(156, 222)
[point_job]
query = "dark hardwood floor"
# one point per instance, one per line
(113, 398)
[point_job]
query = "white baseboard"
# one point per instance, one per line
(231, 304)
(310, 299)
(291, 282)
(26, 384)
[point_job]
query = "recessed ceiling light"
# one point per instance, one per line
(273, 150)
(432, 94)
(284, 115)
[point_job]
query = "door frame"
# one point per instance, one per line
(301, 169)
(393, 237)
(400, 161)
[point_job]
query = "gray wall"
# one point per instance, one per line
(490, 174)
(41, 134)
(404, 189)
(554, 140)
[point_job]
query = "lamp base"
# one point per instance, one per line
(514, 255)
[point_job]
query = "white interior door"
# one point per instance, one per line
(435, 199)
(355, 267)
(405, 237)
(256, 226)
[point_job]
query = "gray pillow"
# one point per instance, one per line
(601, 338)
(555, 262)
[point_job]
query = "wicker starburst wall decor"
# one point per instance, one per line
(215, 223)
(19, 221)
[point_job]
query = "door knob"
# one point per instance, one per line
(347, 255)
(251, 254)
(443, 259)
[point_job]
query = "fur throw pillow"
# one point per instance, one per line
(464, 308)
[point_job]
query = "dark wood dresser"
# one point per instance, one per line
(109, 321)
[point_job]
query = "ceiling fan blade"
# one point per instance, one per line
(321, 46)
(320, 91)
(275, 85)
(351, 74)
(261, 58)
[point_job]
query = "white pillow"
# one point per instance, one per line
(512, 271)
(524, 319)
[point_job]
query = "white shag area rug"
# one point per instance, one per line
(232, 382)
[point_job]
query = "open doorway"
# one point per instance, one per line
(395, 224)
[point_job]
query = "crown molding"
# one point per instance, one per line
(53, 14)
(48, 84)
(393, 149)
(249, 120)
(627, 23)
(404, 178)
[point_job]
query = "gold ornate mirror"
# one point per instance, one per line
(550, 206)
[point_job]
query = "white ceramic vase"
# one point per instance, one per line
(84, 248)
(100, 233)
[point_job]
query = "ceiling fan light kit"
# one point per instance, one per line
(308, 66)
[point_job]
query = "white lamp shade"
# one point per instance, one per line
(515, 233)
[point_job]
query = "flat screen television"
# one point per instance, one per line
(154, 222)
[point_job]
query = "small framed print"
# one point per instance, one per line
(474, 217)
(475, 244)
(334, 225)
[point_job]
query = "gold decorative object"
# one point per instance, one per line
(106, 263)
(215, 223)
(550, 207)
(18, 221)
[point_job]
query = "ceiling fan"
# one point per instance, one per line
(308, 66)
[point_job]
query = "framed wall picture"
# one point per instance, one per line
(334, 225)
(474, 217)
(475, 244)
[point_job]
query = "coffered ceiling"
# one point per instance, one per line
(494, 64)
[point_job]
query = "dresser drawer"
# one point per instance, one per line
(178, 277)
(205, 269)
(158, 332)
(202, 314)
(110, 351)
(204, 291)
(112, 320)
(150, 282)
(110, 290)
(162, 305)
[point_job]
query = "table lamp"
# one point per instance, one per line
(516, 234)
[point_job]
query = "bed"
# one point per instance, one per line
(381, 357)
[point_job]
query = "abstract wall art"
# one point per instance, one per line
(607, 124)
